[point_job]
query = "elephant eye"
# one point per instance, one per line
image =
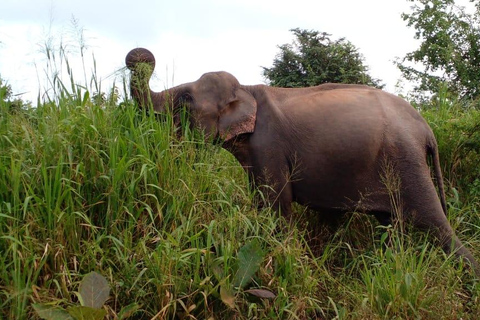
(185, 98)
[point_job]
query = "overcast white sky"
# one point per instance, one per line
(189, 38)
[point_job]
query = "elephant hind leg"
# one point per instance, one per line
(427, 214)
(451, 244)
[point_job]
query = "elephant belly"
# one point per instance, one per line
(347, 184)
(335, 195)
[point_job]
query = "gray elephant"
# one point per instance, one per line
(333, 147)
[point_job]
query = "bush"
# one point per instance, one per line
(456, 125)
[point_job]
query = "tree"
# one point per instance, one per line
(5, 91)
(313, 58)
(450, 48)
(6, 94)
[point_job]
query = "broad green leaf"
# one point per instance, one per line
(51, 312)
(227, 296)
(94, 290)
(249, 258)
(261, 293)
(87, 313)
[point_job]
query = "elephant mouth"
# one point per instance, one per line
(231, 143)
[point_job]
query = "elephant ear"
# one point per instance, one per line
(238, 116)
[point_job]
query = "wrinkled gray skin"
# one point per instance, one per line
(333, 147)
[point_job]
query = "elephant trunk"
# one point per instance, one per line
(141, 63)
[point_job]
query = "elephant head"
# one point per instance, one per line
(216, 102)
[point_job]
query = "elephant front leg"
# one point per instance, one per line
(269, 177)
(275, 190)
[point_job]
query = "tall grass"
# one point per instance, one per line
(165, 218)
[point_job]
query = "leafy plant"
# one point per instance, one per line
(93, 292)
(247, 264)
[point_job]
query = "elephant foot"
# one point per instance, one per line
(463, 253)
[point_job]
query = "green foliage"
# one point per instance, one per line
(86, 313)
(5, 91)
(397, 278)
(313, 58)
(249, 259)
(171, 224)
(456, 125)
(6, 95)
(93, 292)
(47, 312)
(449, 51)
(111, 189)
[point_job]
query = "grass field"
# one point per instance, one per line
(173, 227)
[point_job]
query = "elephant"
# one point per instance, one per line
(333, 147)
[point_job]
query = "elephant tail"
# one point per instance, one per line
(432, 149)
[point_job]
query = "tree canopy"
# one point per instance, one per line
(314, 58)
(449, 52)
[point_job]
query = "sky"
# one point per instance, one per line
(189, 38)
